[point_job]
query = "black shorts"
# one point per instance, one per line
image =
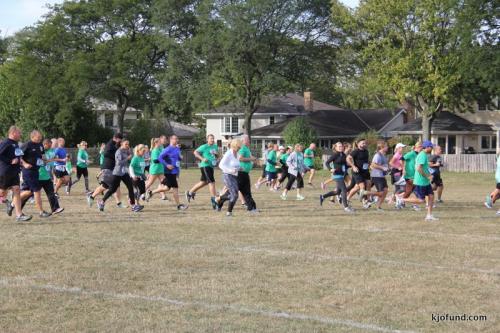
(380, 183)
(106, 179)
(361, 177)
(498, 186)
(271, 175)
(170, 181)
(60, 174)
(207, 175)
(437, 180)
(423, 191)
(82, 172)
(9, 180)
(30, 181)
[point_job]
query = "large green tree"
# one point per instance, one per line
(427, 54)
(244, 50)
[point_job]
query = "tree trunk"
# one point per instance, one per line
(247, 124)
(121, 119)
(426, 126)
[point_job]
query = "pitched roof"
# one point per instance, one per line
(183, 130)
(289, 104)
(444, 122)
(336, 123)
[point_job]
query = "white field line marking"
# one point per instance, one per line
(371, 229)
(278, 253)
(10, 283)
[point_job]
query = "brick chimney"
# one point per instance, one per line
(308, 101)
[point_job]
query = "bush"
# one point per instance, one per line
(299, 131)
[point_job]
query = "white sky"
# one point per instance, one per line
(16, 14)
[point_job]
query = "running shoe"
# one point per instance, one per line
(189, 196)
(310, 185)
(283, 197)
(323, 186)
(348, 210)
(23, 218)
(90, 200)
(300, 197)
(321, 199)
(8, 207)
(182, 207)
(214, 203)
(257, 186)
(58, 210)
(431, 218)
(488, 203)
(100, 205)
(165, 198)
(44, 214)
(416, 208)
(121, 205)
(380, 210)
(339, 198)
(254, 211)
(439, 201)
(149, 195)
(498, 213)
(229, 214)
(137, 208)
(31, 200)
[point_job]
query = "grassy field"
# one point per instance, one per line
(296, 267)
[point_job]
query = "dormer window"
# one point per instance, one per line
(271, 120)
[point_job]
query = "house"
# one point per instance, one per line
(107, 113)
(107, 116)
(331, 126)
(455, 133)
(227, 121)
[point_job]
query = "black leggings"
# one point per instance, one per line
(79, 173)
(140, 184)
(284, 174)
(341, 189)
(292, 179)
(116, 183)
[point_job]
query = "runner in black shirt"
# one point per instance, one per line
(359, 161)
(436, 162)
(10, 161)
(32, 158)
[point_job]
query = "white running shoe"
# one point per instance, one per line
(283, 197)
(431, 218)
(300, 197)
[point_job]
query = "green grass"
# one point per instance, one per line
(296, 267)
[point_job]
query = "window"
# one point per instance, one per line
(324, 143)
(442, 142)
(271, 120)
(452, 144)
(488, 141)
(230, 125)
(108, 120)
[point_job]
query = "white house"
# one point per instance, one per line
(107, 113)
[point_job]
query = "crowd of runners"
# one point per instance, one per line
(26, 169)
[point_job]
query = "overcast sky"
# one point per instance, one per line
(16, 14)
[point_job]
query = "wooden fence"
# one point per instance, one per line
(470, 162)
(463, 162)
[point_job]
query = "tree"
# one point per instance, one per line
(245, 50)
(423, 53)
(299, 131)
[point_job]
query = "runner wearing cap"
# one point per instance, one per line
(422, 181)
(436, 162)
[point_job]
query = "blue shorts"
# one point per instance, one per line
(271, 175)
(30, 181)
(423, 191)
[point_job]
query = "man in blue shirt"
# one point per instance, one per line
(171, 158)
(60, 171)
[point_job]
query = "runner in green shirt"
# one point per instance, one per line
(244, 183)
(136, 171)
(409, 169)
(422, 181)
(284, 167)
(156, 170)
(309, 162)
(207, 154)
(82, 161)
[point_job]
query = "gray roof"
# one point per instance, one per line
(444, 121)
(183, 130)
(336, 123)
(289, 104)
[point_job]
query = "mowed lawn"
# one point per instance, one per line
(295, 267)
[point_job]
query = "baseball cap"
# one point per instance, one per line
(281, 147)
(427, 144)
(400, 145)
